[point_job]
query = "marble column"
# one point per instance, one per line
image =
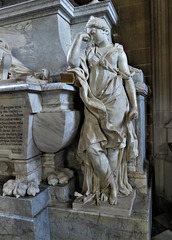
(162, 107)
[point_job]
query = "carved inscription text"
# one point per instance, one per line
(11, 126)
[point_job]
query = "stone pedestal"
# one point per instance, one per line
(34, 119)
(67, 223)
(123, 208)
(25, 218)
(28, 169)
(49, 215)
(62, 192)
(19, 102)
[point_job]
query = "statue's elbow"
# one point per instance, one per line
(72, 63)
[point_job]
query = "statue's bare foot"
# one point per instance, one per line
(104, 197)
(124, 190)
(113, 197)
(129, 187)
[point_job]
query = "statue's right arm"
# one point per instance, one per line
(73, 57)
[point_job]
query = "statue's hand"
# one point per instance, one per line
(84, 36)
(133, 114)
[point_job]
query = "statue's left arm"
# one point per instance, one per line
(129, 84)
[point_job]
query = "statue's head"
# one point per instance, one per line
(98, 30)
(98, 23)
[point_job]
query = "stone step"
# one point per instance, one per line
(67, 223)
(27, 206)
(166, 235)
(25, 217)
(62, 192)
(123, 208)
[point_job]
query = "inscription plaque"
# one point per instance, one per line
(11, 125)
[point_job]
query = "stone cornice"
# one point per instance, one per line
(34, 9)
(14, 86)
(38, 8)
(105, 7)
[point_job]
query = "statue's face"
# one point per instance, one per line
(97, 35)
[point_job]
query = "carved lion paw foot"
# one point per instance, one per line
(32, 188)
(19, 188)
(61, 176)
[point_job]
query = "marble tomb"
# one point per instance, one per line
(39, 129)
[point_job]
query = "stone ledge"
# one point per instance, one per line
(24, 228)
(123, 207)
(67, 223)
(62, 192)
(139, 181)
(38, 8)
(34, 9)
(24, 206)
(166, 235)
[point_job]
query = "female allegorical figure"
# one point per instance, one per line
(107, 140)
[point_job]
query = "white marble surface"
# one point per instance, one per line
(42, 8)
(14, 85)
(27, 38)
(29, 169)
(35, 102)
(38, 8)
(64, 34)
(9, 86)
(107, 140)
(99, 9)
(25, 218)
(16, 123)
(85, 225)
(20, 187)
(123, 208)
(139, 181)
(56, 130)
(62, 192)
(58, 86)
(58, 97)
(52, 132)
(30, 25)
(142, 91)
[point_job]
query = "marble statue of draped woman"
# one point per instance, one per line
(107, 139)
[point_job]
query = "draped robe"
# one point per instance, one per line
(105, 126)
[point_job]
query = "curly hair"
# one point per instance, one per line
(100, 23)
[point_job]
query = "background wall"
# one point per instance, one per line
(145, 30)
(134, 29)
(162, 90)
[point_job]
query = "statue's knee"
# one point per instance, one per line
(92, 150)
